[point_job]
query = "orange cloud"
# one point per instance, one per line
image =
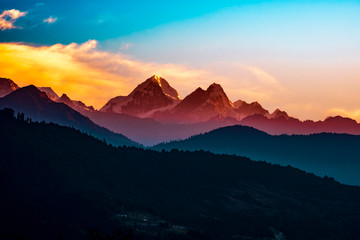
(8, 18)
(93, 76)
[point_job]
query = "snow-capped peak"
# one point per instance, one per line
(154, 93)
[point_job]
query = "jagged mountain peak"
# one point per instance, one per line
(200, 106)
(278, 113)
(155, 93)
(247, 109)
(240, 103)
(155, 81)
(64, 97)
(217, 96)
(215, 86)
(28, 92)
(7, 86)
(49, 92)
(31, 89)
(215, 89)
(77, 105)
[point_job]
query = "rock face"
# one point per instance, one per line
(50, 93)
(77, 105)
(247, 109)
(7, 86)
(278, 113)
(152, 95)
(200, 106)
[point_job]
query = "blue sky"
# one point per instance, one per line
(301, 56)
(83, 20)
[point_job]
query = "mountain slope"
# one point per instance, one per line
(149, 132)
(37, 106)
(77, 105)
(199, 106)
(248, 109)
(7, 86)
(69, 186)
(334, 155)
(50, 93)
(153, 94)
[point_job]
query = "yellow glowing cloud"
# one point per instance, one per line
(8, 18)
(93, 76)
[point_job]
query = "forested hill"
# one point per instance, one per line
(58, 183)
(334, 155)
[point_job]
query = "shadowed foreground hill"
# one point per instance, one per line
(334, 155)
(73, 186)
(38, 106)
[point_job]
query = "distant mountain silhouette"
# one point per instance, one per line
(37, 106)
(334, 155)
(289, 125)
(58, 183)
(7, 86)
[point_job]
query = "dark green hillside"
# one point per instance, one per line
(335, 155)
(58, 183)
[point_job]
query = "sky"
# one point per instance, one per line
(300, 56)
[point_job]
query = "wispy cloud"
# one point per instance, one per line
(50, 20)
(9, 17)
(125, 46)
(94, 76)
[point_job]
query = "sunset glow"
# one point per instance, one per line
(256, 51)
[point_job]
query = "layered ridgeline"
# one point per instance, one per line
(39, 107)
(59, 183)
(168, 117)
(154, 112)
(335, 155)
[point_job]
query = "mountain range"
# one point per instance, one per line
(154, 112)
